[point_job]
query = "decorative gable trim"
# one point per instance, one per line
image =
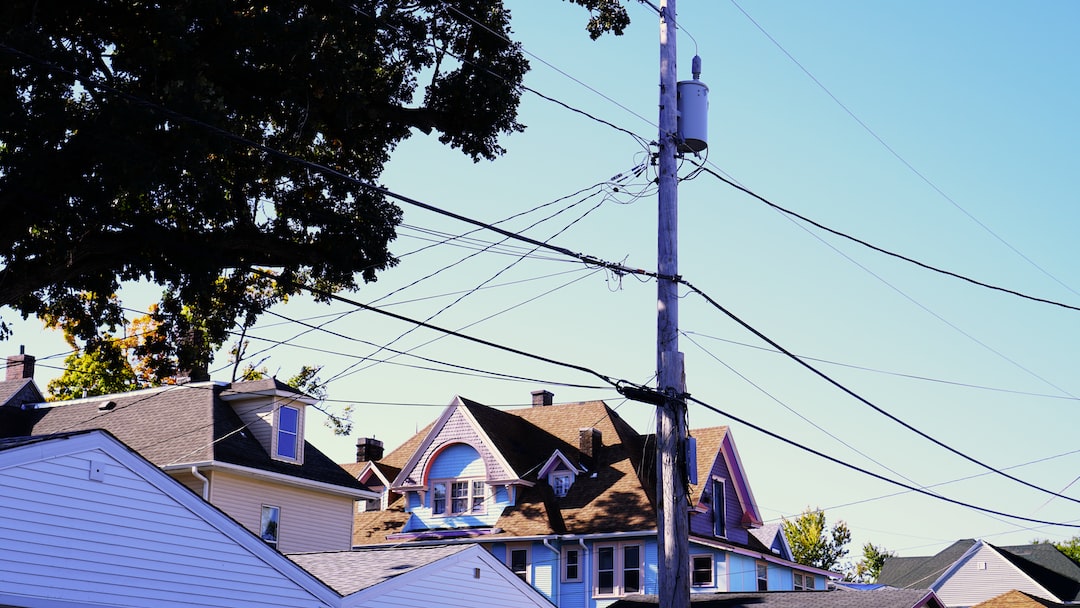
(553, 463)
(413, 475)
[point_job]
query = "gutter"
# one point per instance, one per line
(280, 478)
(556, 577)
(204, 480)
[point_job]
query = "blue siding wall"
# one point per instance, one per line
(742, 573)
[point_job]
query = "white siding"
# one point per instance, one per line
(121, 541)
(983, 576)
(310, 521)
(455, 585)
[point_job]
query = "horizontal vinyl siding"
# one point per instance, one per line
(969, 585)
(121, 542)
(455, 586)
(310, 521)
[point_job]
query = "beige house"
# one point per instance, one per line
(238, 445)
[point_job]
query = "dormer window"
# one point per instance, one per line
(560, 473)
(287, 436)
(560, 482)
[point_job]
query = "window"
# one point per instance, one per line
(518, 558)
(762, 576)
(701, 571)
(618, 569)
(719, 508)
(288, 432)
(268, 527)
(804, 582)
(465, 496)
(438, 498)
(571, 565)
(560, 482)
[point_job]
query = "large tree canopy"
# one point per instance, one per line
(124, 130)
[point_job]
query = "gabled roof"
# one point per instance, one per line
(350, 571)
(713, 444)
(614, 494)
(1043, 563)
(770, 536)
(404, 576)
(17, 392)
(879, 598)
(115, 535)
(178, 426)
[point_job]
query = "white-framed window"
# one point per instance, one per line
(762, 576)
(458, 497)
(518, 559)
(571, 565)
(561, 482)
(618, 569)
(804, 582)
(719, 508)
(702, 571)
(287, 435)
(270, 525)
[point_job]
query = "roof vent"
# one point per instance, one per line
(105, 406)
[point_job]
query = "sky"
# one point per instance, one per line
(943, 132)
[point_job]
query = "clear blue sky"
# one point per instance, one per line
(963, 156)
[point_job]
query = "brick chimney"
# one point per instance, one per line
(20, 366)
(369, 449)
(542, 398)
(589, 442)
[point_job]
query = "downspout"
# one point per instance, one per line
(587, 573)
(556, 576)
(205, 482)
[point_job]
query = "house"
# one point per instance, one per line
(564, 495)
(85, 520)
(880, 598)
(239, 445)
(449, 576)
(972, 571)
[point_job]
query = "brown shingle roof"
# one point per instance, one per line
(613, 495)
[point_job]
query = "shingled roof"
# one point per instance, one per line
(176, 425)
(1043, 562)
(613, 494)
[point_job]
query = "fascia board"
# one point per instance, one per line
(768, 557)
(742, 487)
(279, 478)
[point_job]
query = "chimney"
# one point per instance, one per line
(589, 442)
(542, 398)
(368, 449)
(20, 366)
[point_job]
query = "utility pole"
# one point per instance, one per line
(673, 534)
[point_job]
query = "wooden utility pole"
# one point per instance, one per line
(671, 492)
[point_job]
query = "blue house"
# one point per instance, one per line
(564, 495)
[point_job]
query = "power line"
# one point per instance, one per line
(882, 250)
(866, 401)
(897, 155)
(877, 476)
(892, 373)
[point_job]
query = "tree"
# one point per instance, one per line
(812, 544)
(185, 143)
(866, 570)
